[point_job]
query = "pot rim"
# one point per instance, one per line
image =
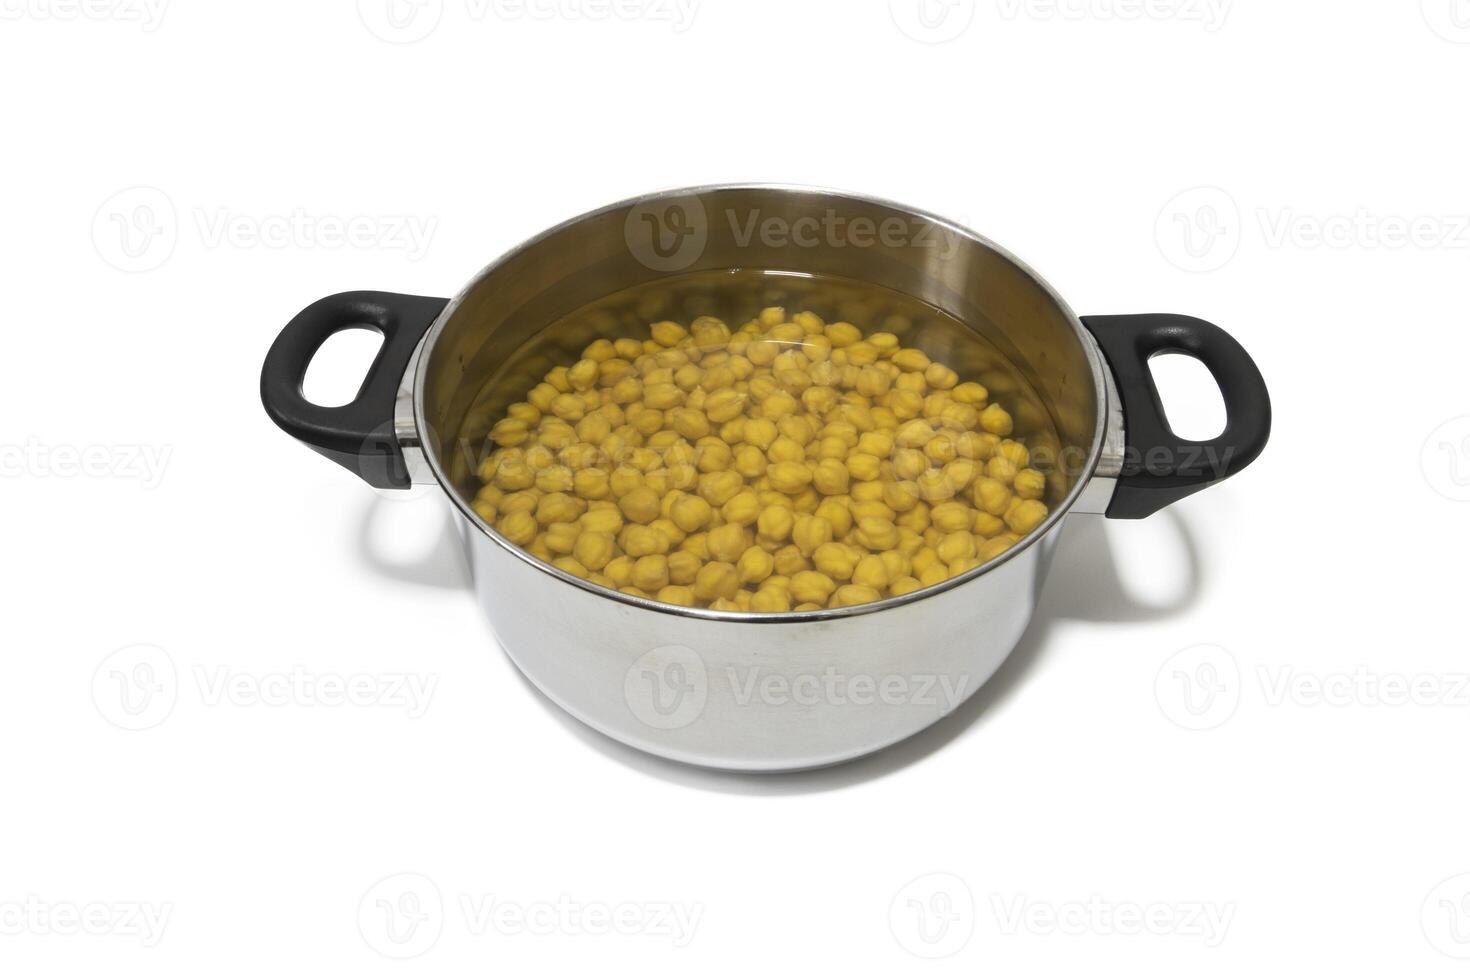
(1085, 475)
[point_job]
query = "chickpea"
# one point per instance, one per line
(691, 513)
(775, 522)
(593, 549)
(789, 477)
(854, 595)
(834, 560)
(771, 600)
(996, 420)
(741, 509)
(811, 587)
(810, 532)
(1026, 516)
(651, 573)
(755, 565)
(677, 595)
(638, 541)
(716, 580)
(728, 542)
(1029, 483)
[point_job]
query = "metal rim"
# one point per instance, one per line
(1084, 339)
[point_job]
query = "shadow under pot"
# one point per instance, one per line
(720, 684)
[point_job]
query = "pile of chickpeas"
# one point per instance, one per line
(789, 464)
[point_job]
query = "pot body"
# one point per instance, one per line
(749, 691)
(755, 696)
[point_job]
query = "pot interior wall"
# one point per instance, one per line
(946, 293)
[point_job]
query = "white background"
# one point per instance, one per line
(1326, 831)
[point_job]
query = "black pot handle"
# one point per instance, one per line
(359, 435)
(1159, 467)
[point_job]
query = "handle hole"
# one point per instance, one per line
(1194, 408)
(340, 366)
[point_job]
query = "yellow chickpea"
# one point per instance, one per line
(638, 541)
(789, 560)
(593, 549)
(864, 466)
(996, 420)
(639, 505)
(956, 544)
(789, 477)
(810, 532)
(808, 586)
(990, 495)
(560, 537)
(951, 516)
(871, 572)
(651, 573)
(728, 542)
(691, 513)
(718, 487)
(771, 601)
(716, 580)
(755, 565)
(518, 528)
(877, 533)
(775, 522)
(1026, 516)
(830, 477)
(1030, 484)
(853, 595)
(678, 595)
(834, 560)
(741, 509)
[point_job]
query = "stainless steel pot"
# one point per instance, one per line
(746, 691)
